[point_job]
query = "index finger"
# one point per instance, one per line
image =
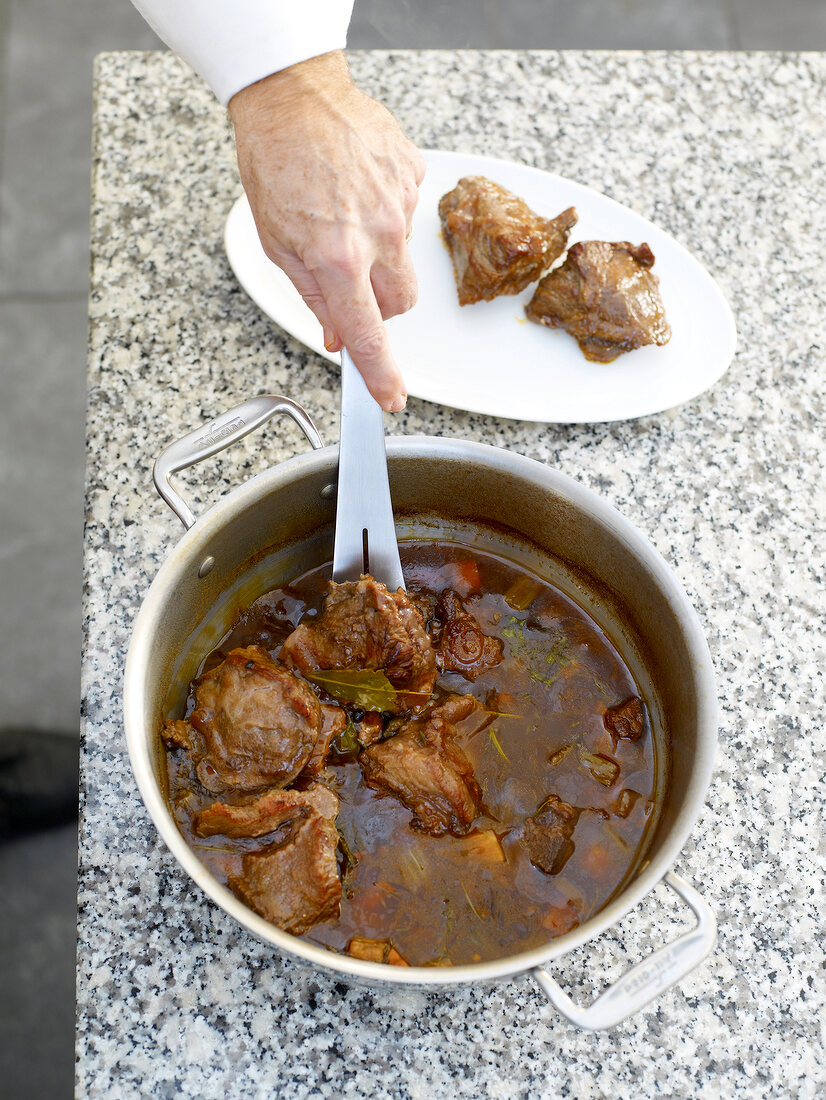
(356, 317)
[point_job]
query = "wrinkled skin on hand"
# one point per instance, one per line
(333, 182)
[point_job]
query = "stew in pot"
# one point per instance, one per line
(444, 776)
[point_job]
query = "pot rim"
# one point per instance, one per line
(191, 548)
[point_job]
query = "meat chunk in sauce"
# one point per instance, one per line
(426, 770)
(294, 881)
(333, 723)
(463, 646)
(547, 835)
(363, 626)
(369, 729)
(178, 734)
(265, 814)
(497, 243)
(625, 720)
(255, 724)
(606, 296)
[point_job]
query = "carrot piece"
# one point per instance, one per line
(382, 951)
(597, 861)
(561, 919)
(467, 576)
(377, 899)
(394, 958)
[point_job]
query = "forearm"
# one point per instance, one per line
(234, 43)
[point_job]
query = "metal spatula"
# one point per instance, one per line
(365, 539)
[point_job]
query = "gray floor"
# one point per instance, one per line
(46, 51)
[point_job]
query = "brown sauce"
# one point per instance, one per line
(450, 900)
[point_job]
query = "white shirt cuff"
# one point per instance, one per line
(233, 43)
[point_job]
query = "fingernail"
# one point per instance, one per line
(397, 404)
(331, 340)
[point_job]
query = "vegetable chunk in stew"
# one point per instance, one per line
(442, 776)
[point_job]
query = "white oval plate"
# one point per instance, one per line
(487, 357)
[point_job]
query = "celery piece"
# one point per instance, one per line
(602, 768)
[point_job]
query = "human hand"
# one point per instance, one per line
(333, 182)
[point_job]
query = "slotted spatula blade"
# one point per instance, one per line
(365, 540)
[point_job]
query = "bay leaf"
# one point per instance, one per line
(367, 688)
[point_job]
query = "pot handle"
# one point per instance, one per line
(220, 433)
(645, 981)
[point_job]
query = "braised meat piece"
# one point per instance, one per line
(423, 767)
(497, 243)
(463, 647)
(265, 814)
(425, 604)
(625, 720)
(547, 835)
(178, 734)
(369, 729)
(255, 724)
(333, 723)
(294, 882)
(363, 626)
(606, 296)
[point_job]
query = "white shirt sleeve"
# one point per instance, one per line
(233, 43)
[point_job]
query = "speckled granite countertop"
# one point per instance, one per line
(728, 153)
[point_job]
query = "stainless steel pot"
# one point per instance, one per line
(281, 522)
